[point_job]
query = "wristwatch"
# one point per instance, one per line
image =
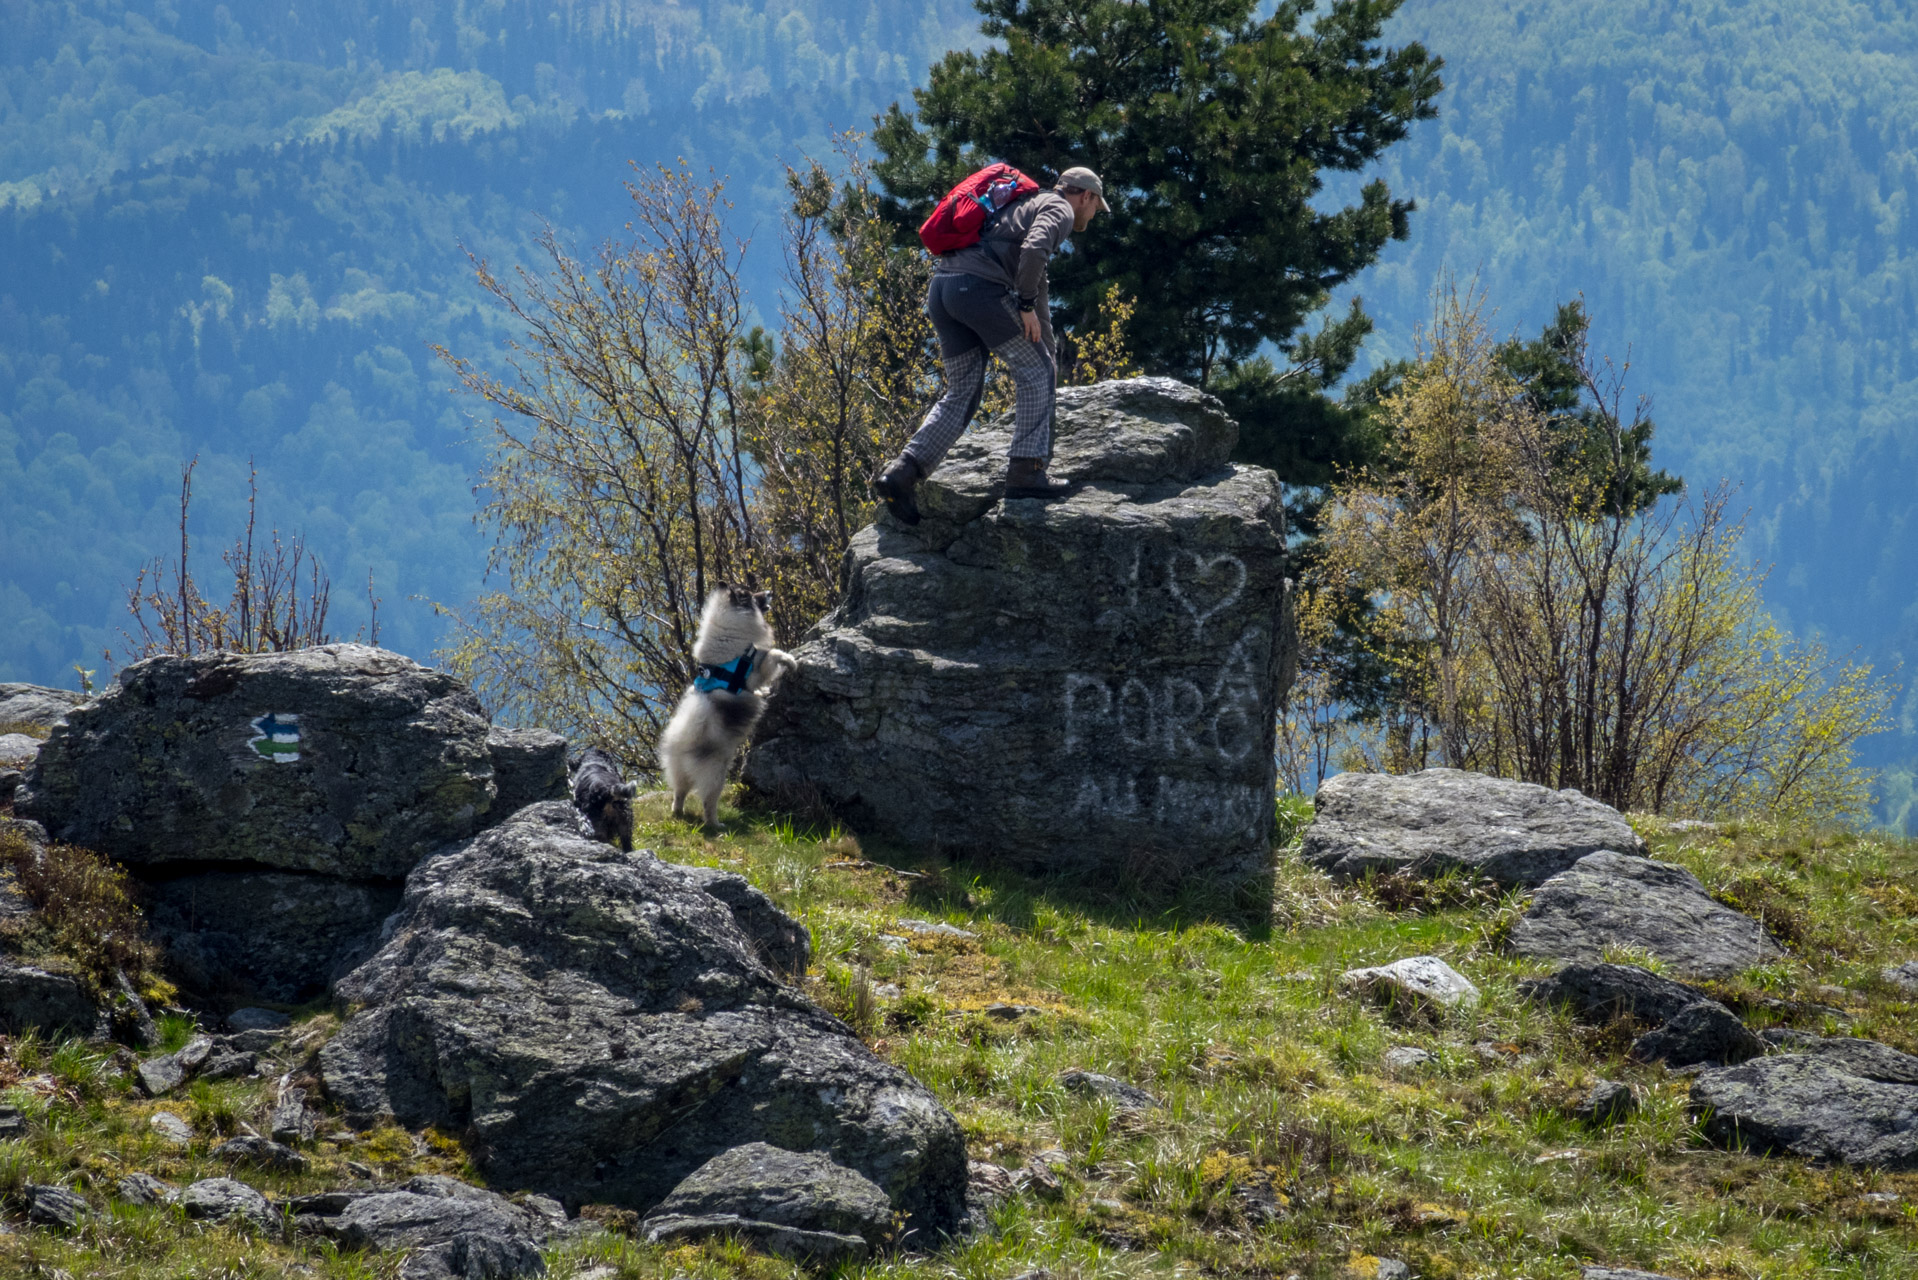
(1026, 304)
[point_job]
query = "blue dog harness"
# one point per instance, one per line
(728, 677)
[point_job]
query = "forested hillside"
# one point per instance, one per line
(232, 230)
(1733, 188)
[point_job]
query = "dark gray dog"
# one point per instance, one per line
(602, 799)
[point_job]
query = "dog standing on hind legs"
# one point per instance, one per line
(736, 664)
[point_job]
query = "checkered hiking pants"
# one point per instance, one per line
(963, 354)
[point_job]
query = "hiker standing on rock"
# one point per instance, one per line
(994, 233)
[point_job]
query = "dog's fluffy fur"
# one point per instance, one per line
(707, 728)
(602, 799)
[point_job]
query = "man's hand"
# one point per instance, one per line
(1030, 319)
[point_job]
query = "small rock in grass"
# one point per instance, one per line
(1126, 1097)
(1702, 1032)
(1861, 1057)
(13, 1123)
(251, 1019)
(988, 1183)
(160, 1076)
(291, 1123)
(1882, 1199)
(1042, 1181)
(359, 1170)
(934, 928)
(250, 1041)
(1597, 993)
(1621, 1273)
(1011, 1012)
(888, 991)
(55, 1206)
(228, 1066)
(1416, 982)
(1812, 1105)
(1609, 1102)
(1496, 1052)
(225, 1198)
(195, 1054)
(144, 1188)
(1903, 976)
(1405, 1056)
(171, 1129)
(260, 1151)
(1365, 1266)
(760, 1183)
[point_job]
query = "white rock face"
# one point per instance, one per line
(1415, 981)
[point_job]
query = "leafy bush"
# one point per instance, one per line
(82, 913)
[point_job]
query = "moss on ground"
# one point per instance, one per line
(1285, 1146)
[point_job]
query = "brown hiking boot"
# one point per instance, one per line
(894, 485)
(1026, 478)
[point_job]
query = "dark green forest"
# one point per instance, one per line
(233, 231)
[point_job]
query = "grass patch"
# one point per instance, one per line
(84, 919)
(1285, 1145)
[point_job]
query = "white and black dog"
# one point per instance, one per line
(736, 664)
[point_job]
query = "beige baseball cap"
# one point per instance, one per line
(1085, 180)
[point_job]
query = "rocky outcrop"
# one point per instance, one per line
(33, 706)
(1849, 1106)
(1608, 899)
(782, 943)
(266, 935)
(603, 1027)
(1447, 819)
(1089, 684)
(529, 765)
(346, 760)
(36, 999)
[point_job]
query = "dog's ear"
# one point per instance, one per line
(764, 600)
(723, 585)
(629, 790)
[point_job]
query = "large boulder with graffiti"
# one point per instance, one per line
(1090, 683)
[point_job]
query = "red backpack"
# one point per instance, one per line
(962, 217)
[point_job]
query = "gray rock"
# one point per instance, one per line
(1904, 976)
(223, 1199)
(55, 1206)
(227, 1065)
(171, 1130)
(263, 1152)
(758, 1183)
(1089, 684)
(451, 1230)
(1702, 1032)
(194, 1054)
(346, 760)
(257, 1019)
(291, 1122)
(1445, 819)
(1861, 1057)
(1811, 1105)
(266, 935)
(781, 942)
(144, 1188)
(37, 999)
(17, 751)
(1416, 982)
(1619, 1273)
(13, 1123)
(11, 780)
(1127, 1097)
(160, 1076)
(529, 765)
(1392, 1269)
(1609, 899)
(1598, 993)
(1609, 1102)
(569, 1002)
(36, 706)
(1405, 1056)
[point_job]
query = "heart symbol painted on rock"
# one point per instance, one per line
(1227, 569)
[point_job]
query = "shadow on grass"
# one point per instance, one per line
(1143, 894)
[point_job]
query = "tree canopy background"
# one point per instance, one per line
(232, 230)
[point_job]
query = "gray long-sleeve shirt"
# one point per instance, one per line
(1014, 252)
